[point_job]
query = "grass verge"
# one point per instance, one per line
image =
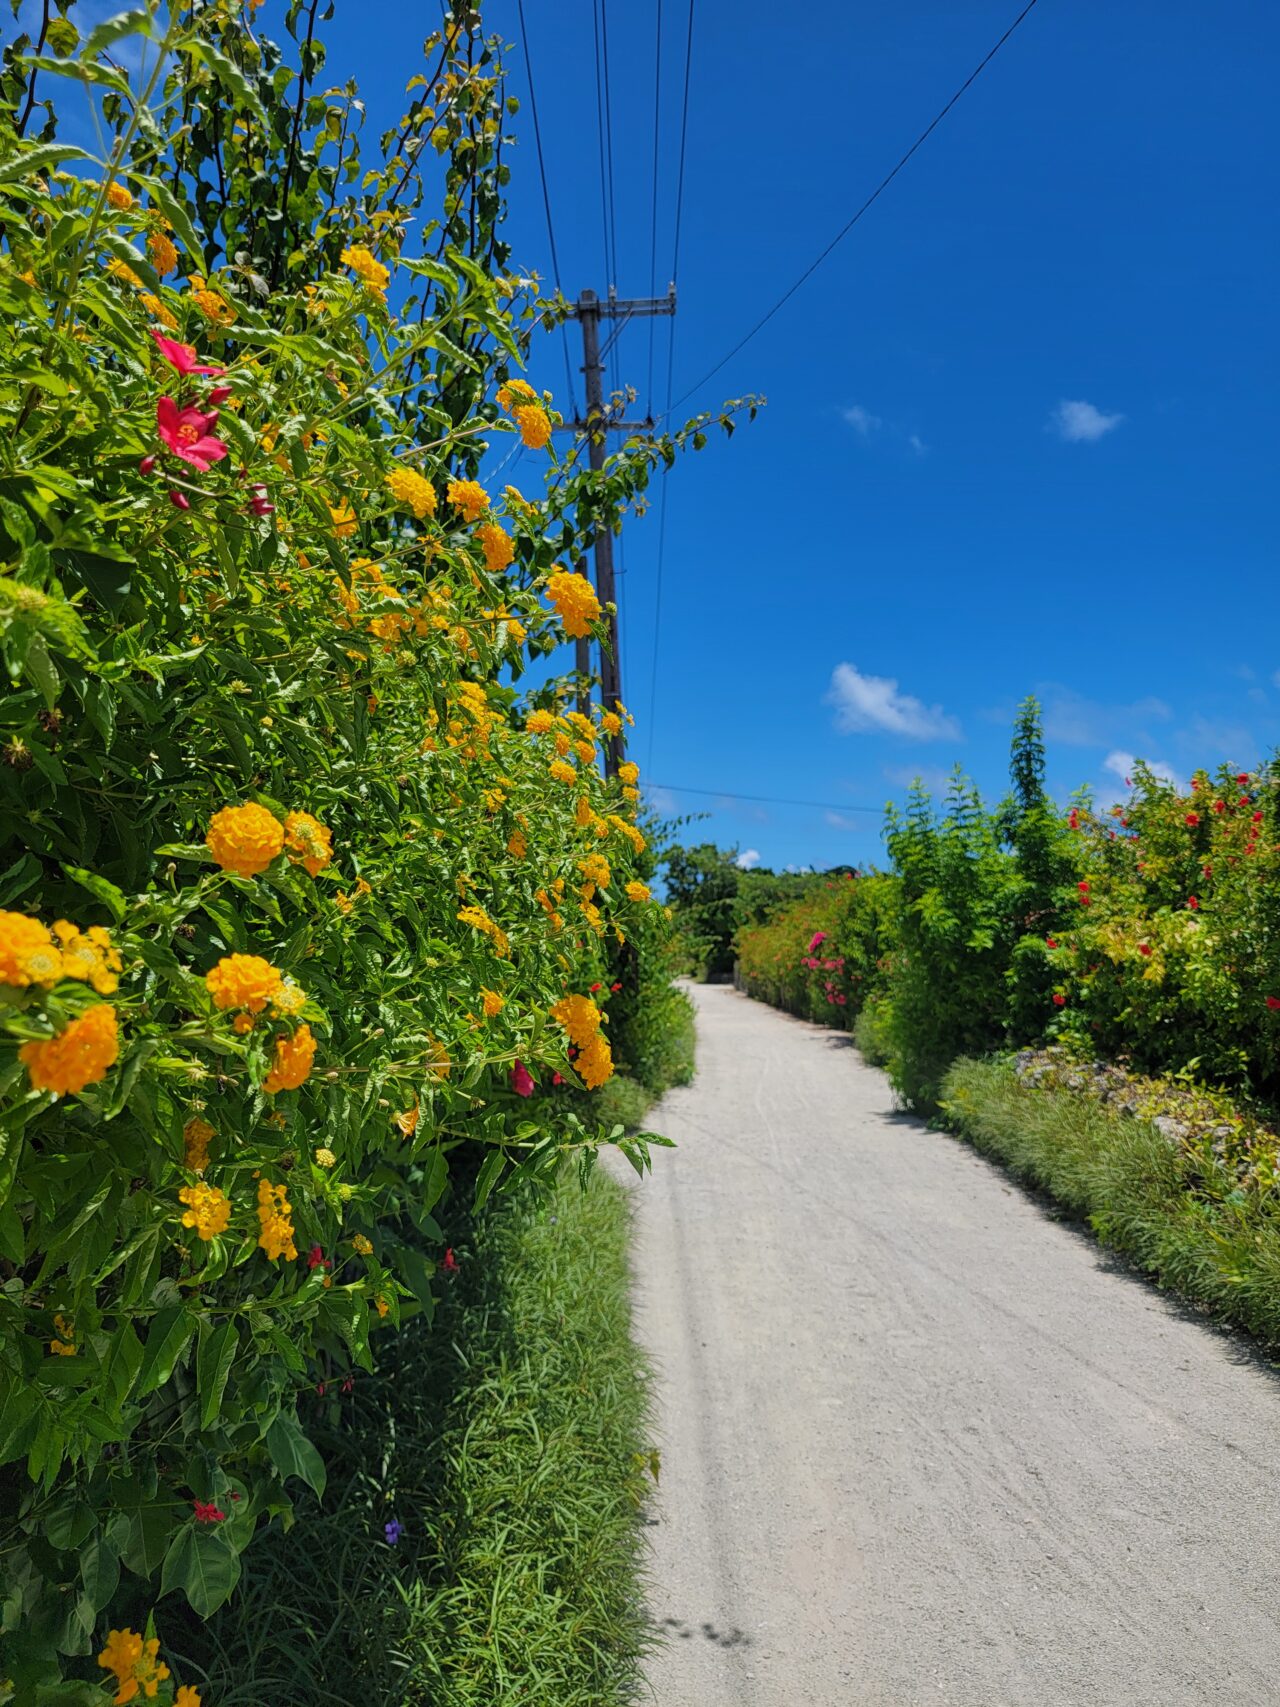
(508, 1438)
(1170, 1207)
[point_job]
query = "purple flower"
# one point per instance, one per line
(393, 1531)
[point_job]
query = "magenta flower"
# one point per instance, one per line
(522, 1080)
(186, 433)
(816, 940)
(182, 356)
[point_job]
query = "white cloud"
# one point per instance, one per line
(1120, 764)
(865, 703)
(934, 778)
(747, 858)
(917, 443)
(863, 422)
(1081, 423)
(1079, 722)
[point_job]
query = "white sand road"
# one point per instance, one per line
(921, 1442)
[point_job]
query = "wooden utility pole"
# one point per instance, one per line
(590, 310)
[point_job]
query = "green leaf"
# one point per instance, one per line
(43, 672)
(113, 899)
(487, 1178)
(136, 21)
(435, 1179)
(176, 214)
(150, 1529)
(99, 1571)
(203, 1565)
(293, 1454)
(228, 74)
(167, 1338)
(214, 1357)
(82, 69)
(39, 159)
(124, 1362)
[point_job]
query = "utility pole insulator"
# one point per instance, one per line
(589, 310)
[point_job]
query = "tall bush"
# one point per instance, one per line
(299, 903)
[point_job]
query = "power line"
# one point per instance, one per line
(604, 180)
(671, 358)
(653, 218)
(768, 799)
(546, 197)
(872, 198)
(607, 107)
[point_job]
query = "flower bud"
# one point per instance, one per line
(179, 500)
(219, 394)
(146, 465)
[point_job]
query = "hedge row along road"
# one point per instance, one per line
(922, 1443)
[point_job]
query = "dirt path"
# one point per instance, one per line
(920, 1442)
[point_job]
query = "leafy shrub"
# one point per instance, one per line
(823, 955)
(298, 898)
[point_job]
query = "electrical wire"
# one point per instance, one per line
(671, 357)
(768, 799)
(604, 181)
(653, 217)
(546, 199)
(875, 195)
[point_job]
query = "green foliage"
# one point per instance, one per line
(822, 955)
(1172, 1205)
(310, 624)
(511, 1442)
(702, 885)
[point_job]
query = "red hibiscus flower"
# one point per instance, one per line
(1193, 818)
(1059, 1001)
(1243, 778)
(522, 1080)
(1193, 903)
(207, 1512)
(182, 356)
(186, 433)
(1219, 805)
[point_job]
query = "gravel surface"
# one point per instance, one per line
(921, 1443)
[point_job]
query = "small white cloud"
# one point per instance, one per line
(747, 858)
(863, 422)
(934, 778)
(865, 703)
(917, 443)
(1121, 765)
(1081, 423)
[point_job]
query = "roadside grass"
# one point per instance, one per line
(1171, 1211)
(509, 1439)
(871, 1033)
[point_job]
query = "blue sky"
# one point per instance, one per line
(1020, 426)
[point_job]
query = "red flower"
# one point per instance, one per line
(348, 1384)
(1243, 778)
(1050, 942)
(1257, 817)
(1273, 1002)
(319, 1395)
(1059, 1001)
(1083, 887)
(596, 987)
(1144, 948)
(614, 988)
(317, 1259)
(186, 432)
(207, 1512)
(1074, 819)
(1193, 818)
(1207, 869)
(1193, 903)
(181, 356)
(450, 1263)
(1219, 805)
(557, 1078)
(522, 1080)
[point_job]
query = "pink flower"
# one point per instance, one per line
(186, 433)
(182, 356)
(817, 938)
(522, 1080)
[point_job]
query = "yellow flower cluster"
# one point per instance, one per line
(595, 869)
(515, 391)
(76, 1057)
(361, 1246)
(208, 1210)
(580, 1018)
(135, 1664)
(628, 832)
(469, 496)
(492, 1002)
(496, 544)
(211, 303)
(31, 954)
(412, 489)
(368, 268)
(275, 1219)
(245, 981)
(164, 256)
(195, 1138)
(629, 773)
(638, 891)
(575, 600)
(479, 920)
(309, 842)
(562, 772)
(344, 519)
(64, 1344)
(517, 845)
(244, 839)
(294, 1058)
(534, 424)
(540, 722)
